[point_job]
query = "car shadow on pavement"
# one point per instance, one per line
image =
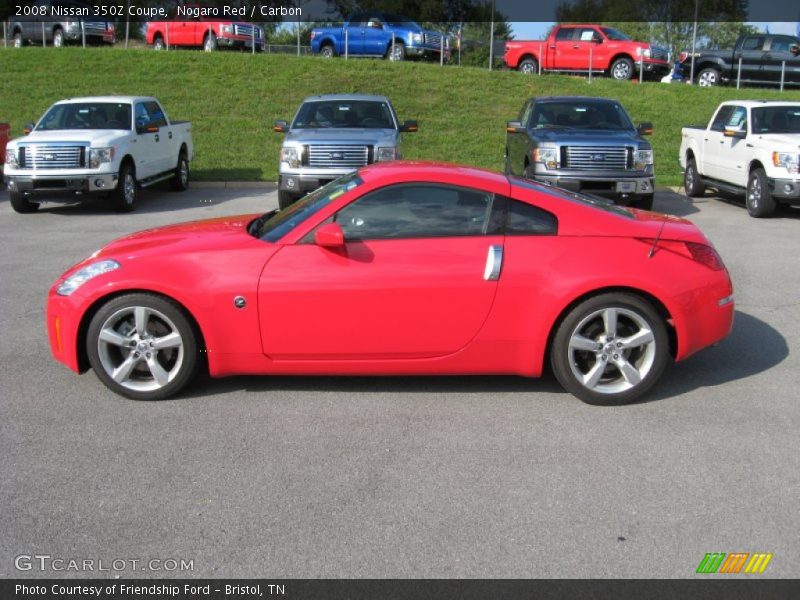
(735, 358)
(674, 203)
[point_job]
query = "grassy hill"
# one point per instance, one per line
(233, 99)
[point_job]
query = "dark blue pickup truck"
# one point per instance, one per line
(380, 34)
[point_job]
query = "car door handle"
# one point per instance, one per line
(576, 47)
(748, 145)
(157, 138)
(170, 135)
(705, 139)
(494, 262)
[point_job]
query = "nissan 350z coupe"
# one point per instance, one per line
(400, 268)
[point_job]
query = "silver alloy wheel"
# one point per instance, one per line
(17, 40)
(140, 348)
(158, 44)
(397, 52)
(184, 172)
(707, 78)
(612, 350)
(58, 39)
(210, 44)
(754, 193)
(528, 68)
(129, 188)
(622, 70)
(327, 52)
(689, 183)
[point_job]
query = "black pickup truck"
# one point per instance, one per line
(763, 56)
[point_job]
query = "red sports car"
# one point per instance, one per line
(400, 268)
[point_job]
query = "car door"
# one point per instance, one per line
(734, 153)
(353, 35)
(713, 142)
(562, 51)
(779, 56)
(416, 279)
(146, 154)
(166, 157)
(584, 47)
(753, 56)
(374, 38)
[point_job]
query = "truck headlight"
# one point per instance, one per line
(98, 156)
(291, 155)
(81, 276)
(642, 158)
(387, 153)
(786, 160)
(11, 159)
(416, 38)
(547, 155)
(646, 52)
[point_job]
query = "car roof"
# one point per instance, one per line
(430, 170)
(124, 99)
(573, 99)
(346, 98)
(759, 103)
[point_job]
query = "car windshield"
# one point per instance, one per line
(369, 114)
(614, 34)
(273, 226)
(87, 115)
(579, 114)
(590, 200)
(776, 119)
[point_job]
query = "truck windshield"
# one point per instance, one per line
(368, 114)
(614, 35)
(776, 119)
(87, 115)
(278, 224)
(579, 114)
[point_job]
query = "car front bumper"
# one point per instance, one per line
(601, 184)
(62, 184)
(784, 188)
(303, 182)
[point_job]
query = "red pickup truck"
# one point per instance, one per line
(570, 47)
(204, 27)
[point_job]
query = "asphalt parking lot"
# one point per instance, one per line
(401, 477)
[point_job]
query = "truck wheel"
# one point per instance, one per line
(180, 181)
(18, 42)
(327, 51)
(692, 183)
(124, 197)
(643, 202)
(21, 204)
(58, 38)
(286, 199)
(397, 52)
(210, 43)
(158, 43)
(708, 77)
(759, 199)
(529, 66)
(622, 69)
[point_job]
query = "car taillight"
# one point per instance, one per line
(701, 253)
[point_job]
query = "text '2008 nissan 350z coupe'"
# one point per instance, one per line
(400, 268)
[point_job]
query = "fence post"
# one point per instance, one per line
(5, 36)
(783, 72)
(541, 48)
(298, 36)
(641, 69)
(347, 43)
(441, 51)
(44, 41)
(127, 32)
(168, 35)
(739, 73)
(591, 51)
(253, 38)
(391, 56)
(83, 34)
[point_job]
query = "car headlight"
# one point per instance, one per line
(547, 155)
(786, 160)
(387, 153)
(81, 276)
(98, 156)
(642, 158)
(291, 155)
(11, 159)
(416, 38)
(646, 52)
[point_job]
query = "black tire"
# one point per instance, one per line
(643, 202)
(21, 204)
(692, 183)
(210, 42)
(158, 43)
(758, 199)
(286, 199)
(58, 38)
(622, 69)
(708, 77)
(127, 192)
(595, 375)
(398, 53)
(180, 180)
(17, 39)
(134, 355)
(327, 51)
(529, 66)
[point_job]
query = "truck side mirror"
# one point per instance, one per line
(645, 128)
(514, 127)
(795, 49)
(409, 127)
(280, 126)
(733, 132)
(28, 128)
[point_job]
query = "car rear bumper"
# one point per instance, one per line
(64, 184)
(706, 315)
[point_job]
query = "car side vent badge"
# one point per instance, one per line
(239, 302)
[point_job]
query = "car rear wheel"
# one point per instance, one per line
(529, 66)
(21, 204)
(286, 199)
(127, 192)
(327, 51)
(759, 200)
(180, 180)
(708, 77)
(622, 69)
(692, 183)
(610, 349)
(158, 43)
(142, 346)
(58, 38)
(18, 41)
(210, 43)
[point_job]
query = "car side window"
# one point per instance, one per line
(157, 117)
(782, 44)
(737, 119)
(753, 43)
(723, 114)
(141, 115)
(416, 210)
(526, 219)
(587, 35)
(565, 34)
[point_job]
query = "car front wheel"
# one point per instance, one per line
(610, 349)
(759, 199)
(692, 183)
(622, 69)
(142, 346)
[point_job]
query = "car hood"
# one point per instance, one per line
(96, 137)
(355, 135)
(791, 141)
(588, 136)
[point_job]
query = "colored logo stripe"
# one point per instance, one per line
(714, 562)
(711, 562)
(758, 563)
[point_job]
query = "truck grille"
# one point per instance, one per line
(337, 156)
(658, 53)
(94, 27)
(245, 30)
(597, 158)
(52, 157)
(433, 39)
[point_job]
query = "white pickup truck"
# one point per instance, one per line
(110, 145)
(750, 147)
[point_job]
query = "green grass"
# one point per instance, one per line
(232, 100)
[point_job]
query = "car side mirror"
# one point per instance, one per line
(514, 127)
(645, 128)
(732, 132)
(329, 235)
(409, 127)
(280, 126)
(795, 49)
(28, 128)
